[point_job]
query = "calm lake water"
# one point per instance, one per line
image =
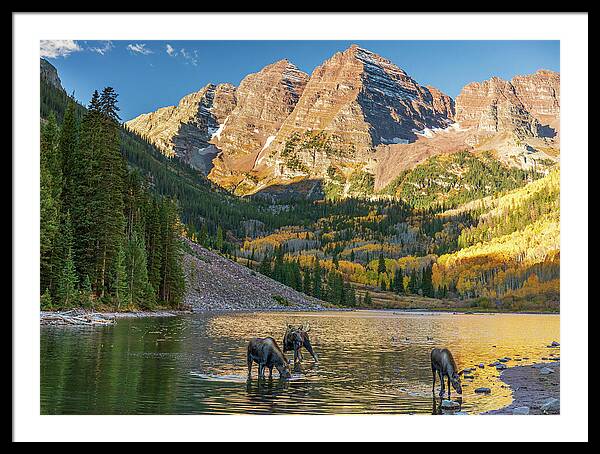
(370, 362)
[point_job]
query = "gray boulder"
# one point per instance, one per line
(449, 404)
(551, 405)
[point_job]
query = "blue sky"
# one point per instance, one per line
(152, 74)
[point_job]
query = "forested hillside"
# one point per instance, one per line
(513, 250)
(500, 252)
(105, 240)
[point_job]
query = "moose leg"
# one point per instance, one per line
(270, 372)
(261, 371)
(308, 347)
(449, 387)
(433, 372)
(442, 391)
(249, 366)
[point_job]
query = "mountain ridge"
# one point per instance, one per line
(359, 112)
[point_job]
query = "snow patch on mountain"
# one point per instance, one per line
(217, 132)
(268, 142)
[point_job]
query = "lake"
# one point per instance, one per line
(369, 362)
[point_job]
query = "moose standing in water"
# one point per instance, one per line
(266, 353)
(294, 339)
(443, 364)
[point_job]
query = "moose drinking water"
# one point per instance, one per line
(295, 338)
(266, 353)
(443, 364)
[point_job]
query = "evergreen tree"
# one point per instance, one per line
(46, 301)
(350, 295)
(307, 282)
(153, 243)
(49, 199)
(317, 285)
(381, 268)
(139, 291)
(203, 240)
(85, 293)
(265, 266)
(413, 284)
(121, 280)
(66, 289)
(108, 189)
(219, 244)
(172, 286)
(426, 282)
(69, 150)
(278, 266)
(398, 281)
(296, 276)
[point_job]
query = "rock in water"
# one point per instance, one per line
(546, 371)
(551, 405)
(521, 411)
(483, 390)
(449, 404)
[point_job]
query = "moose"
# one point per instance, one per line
(295, 338)
(443, 364)
(267, 354)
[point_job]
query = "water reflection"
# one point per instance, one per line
(369, 362)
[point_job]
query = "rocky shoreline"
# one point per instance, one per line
(84, 317)
(535, 388)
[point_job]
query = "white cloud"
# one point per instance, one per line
(171, 51)
(102, 50)
(139, 49)
(191, 57)
(58, 48)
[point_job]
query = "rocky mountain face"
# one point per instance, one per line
(187, 129)
(518, 119)
(357, 114)
(264, 100)
(540, 94)
(352, 103)
(528, 106)
(493, 106)
(49, 74)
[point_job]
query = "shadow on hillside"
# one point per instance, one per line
(309, 189)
